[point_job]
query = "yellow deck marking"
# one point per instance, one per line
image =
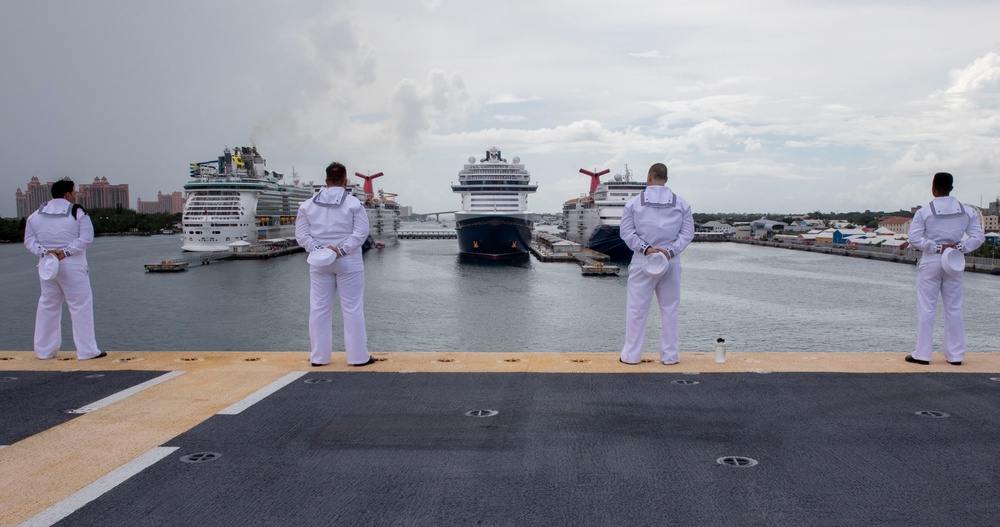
(46, 468)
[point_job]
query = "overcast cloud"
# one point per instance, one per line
(756, 106)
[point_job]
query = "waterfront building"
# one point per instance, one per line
(97, 195)
(992, 237)
(991, 222)
(826, 235)
(743, 229)
(718, 226)
(172, 203)
(102, 195)
(895, 243)
(840, 236)
(764, 226)
(29, 200)
(896, 224)
(799, 225)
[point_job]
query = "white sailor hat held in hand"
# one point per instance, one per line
(324, 256)
(953, 261)
(48, 267)
(655, 264)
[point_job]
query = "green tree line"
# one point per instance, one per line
(106, 221)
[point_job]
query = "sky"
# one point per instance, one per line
(754, 105)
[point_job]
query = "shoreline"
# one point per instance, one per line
(861, 253)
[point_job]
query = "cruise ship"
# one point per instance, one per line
(234, 198)
(594, 219)
(382, 209)
(494, 221)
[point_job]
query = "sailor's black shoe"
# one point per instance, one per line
(956, 363)
(909, 358)
(629, 363)
(371, 360)
(317, 365)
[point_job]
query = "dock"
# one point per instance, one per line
(452, 438)
(167, 266)
(551, 248)
(259, 251)
(427, 235)
(263, 252)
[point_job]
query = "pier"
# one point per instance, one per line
(427, 235)
(260, 251)
(551, 248)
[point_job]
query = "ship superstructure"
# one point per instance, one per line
(382, 209)
(594, 219)
(494, 221)
(235, 198)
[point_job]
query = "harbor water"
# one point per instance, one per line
(421, 296)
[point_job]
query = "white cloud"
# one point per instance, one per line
(418, 110)
(649, 54)
(983, 75)
(733, 100)
(510, 118)
(506, 98)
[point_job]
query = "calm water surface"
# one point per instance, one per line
(420, 296)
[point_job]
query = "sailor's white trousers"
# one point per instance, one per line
(71, 285)
(641, 288)
(932, 281)
(326, 283)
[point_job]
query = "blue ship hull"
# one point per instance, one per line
(494, 237)
(607, 239)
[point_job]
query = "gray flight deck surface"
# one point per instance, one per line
(398, 448)
(33, 401)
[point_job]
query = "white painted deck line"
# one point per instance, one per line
(114, 398)
(260, 394)
(64, 508)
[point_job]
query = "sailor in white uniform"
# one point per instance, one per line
(335, 219)
(657, 220)
(62, 228)
(939, 225)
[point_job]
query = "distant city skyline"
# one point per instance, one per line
(172, 203)
(757, 105)
(100, 194)
(96, 195)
